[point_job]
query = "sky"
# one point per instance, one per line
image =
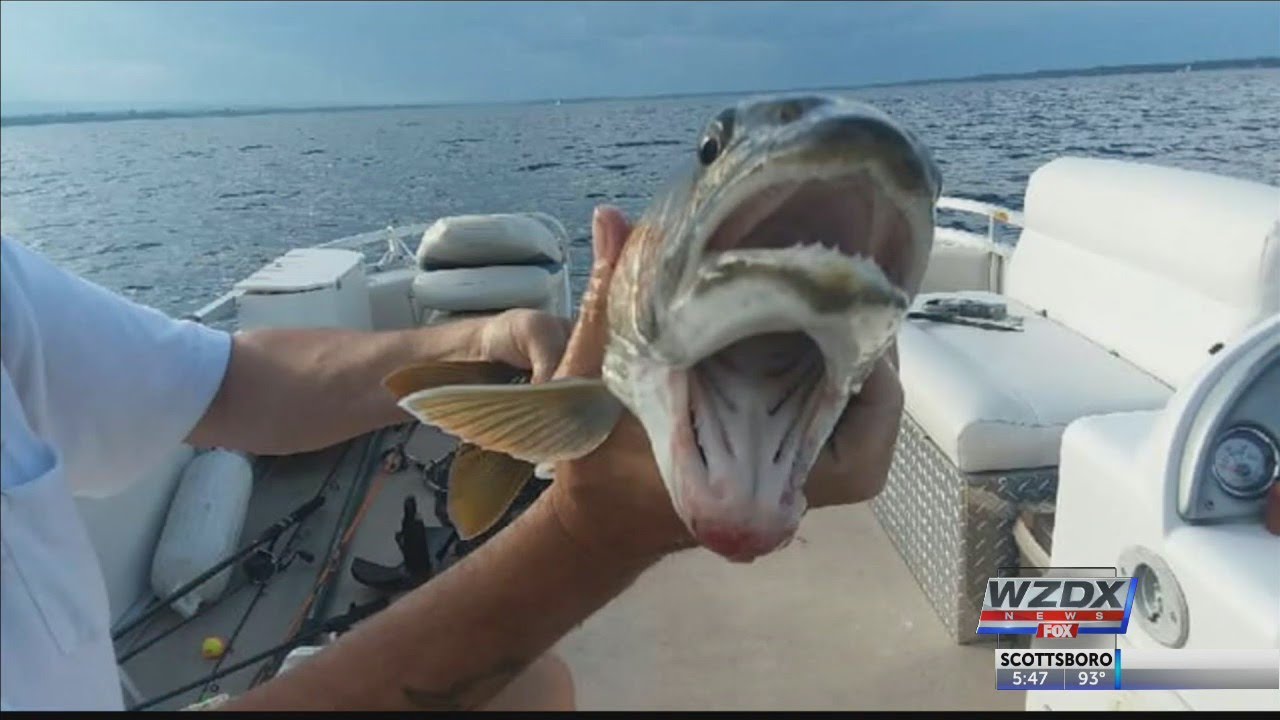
(58, 56)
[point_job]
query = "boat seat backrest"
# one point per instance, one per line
(457, 241)
(1156, 265)
(490, 263)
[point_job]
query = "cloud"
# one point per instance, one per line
(299, 52)
(99, 81)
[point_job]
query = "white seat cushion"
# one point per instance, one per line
(1158, 264)
(498, 239)
(996, 400)
(486, 288)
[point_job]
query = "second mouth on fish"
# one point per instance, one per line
(773, 378)
(751, 402)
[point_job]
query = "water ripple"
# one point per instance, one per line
(174, 211)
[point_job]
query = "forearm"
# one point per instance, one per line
(458, 640)
(294, 390)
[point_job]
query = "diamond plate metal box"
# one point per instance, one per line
(955, 529)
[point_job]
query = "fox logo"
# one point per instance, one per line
(1057, 630)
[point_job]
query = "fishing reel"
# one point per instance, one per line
(264, 563)
(394, 459)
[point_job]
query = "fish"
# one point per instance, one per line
(751, 301)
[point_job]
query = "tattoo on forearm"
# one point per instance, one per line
(468, 693)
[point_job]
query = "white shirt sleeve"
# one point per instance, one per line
(113, 385)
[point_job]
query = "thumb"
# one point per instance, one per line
(584, 352)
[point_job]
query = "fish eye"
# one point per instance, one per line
(709, 149)
(718, 136)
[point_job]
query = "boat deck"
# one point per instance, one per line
(834, 621)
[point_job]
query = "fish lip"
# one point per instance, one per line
(741, 547)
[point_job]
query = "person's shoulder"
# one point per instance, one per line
(16, 259)
(13, 261)
(30, 273)
(11, 245)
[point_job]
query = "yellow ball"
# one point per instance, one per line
(213, 648)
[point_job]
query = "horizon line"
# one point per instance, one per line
(240, 110)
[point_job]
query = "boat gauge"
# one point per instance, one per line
(1245, 461)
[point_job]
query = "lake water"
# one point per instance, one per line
(173, 212)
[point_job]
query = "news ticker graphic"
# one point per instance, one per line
(1062, 607)
(1137, 669)
(1076, 616)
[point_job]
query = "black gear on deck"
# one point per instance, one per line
(427, 551)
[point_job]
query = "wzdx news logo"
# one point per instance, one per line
(1056, 607)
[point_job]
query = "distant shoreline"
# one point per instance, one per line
(115, 116)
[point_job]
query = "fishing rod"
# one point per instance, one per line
(259, 575)
(266, 572)
(344, 530)
(268, 536)
(340, 623)
(140, 647)
(210, 681)
(318, 600)
(260, 566)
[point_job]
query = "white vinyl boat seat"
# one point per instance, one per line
(1127, 277)
(490, 263)
(998, 400)
(479, 289)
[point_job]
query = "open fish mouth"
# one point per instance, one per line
(851, 213)
(750, 417)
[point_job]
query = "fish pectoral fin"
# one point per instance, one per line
(557, 420)
(482, 486)
(423, 376)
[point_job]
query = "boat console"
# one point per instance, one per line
(1174, 498)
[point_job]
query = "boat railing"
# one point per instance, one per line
(220, 309)
(396, 234)
(995, 216)
(397, 253)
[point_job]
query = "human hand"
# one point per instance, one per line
(526, 339)
(613, 500)
(854, 465)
